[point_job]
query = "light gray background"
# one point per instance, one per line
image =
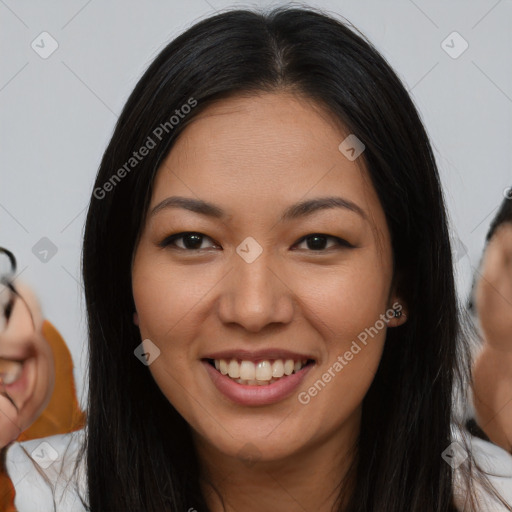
(58, 113)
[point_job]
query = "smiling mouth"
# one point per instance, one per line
(261, 373)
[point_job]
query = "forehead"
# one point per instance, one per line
(262, 153)
(266, 133)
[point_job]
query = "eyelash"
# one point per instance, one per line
(168, 242)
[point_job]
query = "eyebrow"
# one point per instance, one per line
(295, 211)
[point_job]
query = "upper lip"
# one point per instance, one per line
(258, 355)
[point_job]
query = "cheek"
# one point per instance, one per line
(348, 316)
(164, 295)
(176, 377)
(348, 308)
(345, 301)
(165, 298)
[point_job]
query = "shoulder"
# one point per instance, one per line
(493, 460)
(42, 472)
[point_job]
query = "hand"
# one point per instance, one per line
(27, 374)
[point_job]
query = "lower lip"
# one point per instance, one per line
(257, 395)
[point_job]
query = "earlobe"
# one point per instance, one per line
(135, 318)
(399, 314)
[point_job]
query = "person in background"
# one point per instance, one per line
(37, 389)
(491, 301)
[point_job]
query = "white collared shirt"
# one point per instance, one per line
(55, 457)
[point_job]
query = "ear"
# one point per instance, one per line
(396, 302)
(399, 306)
(135, 318)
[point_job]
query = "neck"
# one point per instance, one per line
(303, 481)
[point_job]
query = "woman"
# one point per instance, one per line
(304, 359)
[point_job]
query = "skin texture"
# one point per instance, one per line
(22, 337)
(492, 370)
(253, 157)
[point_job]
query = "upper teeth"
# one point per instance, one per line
(262, 371)
(10, 371)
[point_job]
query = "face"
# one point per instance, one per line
(254, 281)
(26, 364)
(493, 291)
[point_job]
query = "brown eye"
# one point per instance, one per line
(191, 240)
(318, 242)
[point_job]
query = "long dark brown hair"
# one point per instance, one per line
(138, 449)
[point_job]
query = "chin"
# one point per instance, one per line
(253, 446)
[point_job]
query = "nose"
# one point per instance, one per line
(256, 294)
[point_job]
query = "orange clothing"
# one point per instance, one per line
(61, 415)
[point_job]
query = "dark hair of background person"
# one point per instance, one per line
(504, 215)
(139, 450)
